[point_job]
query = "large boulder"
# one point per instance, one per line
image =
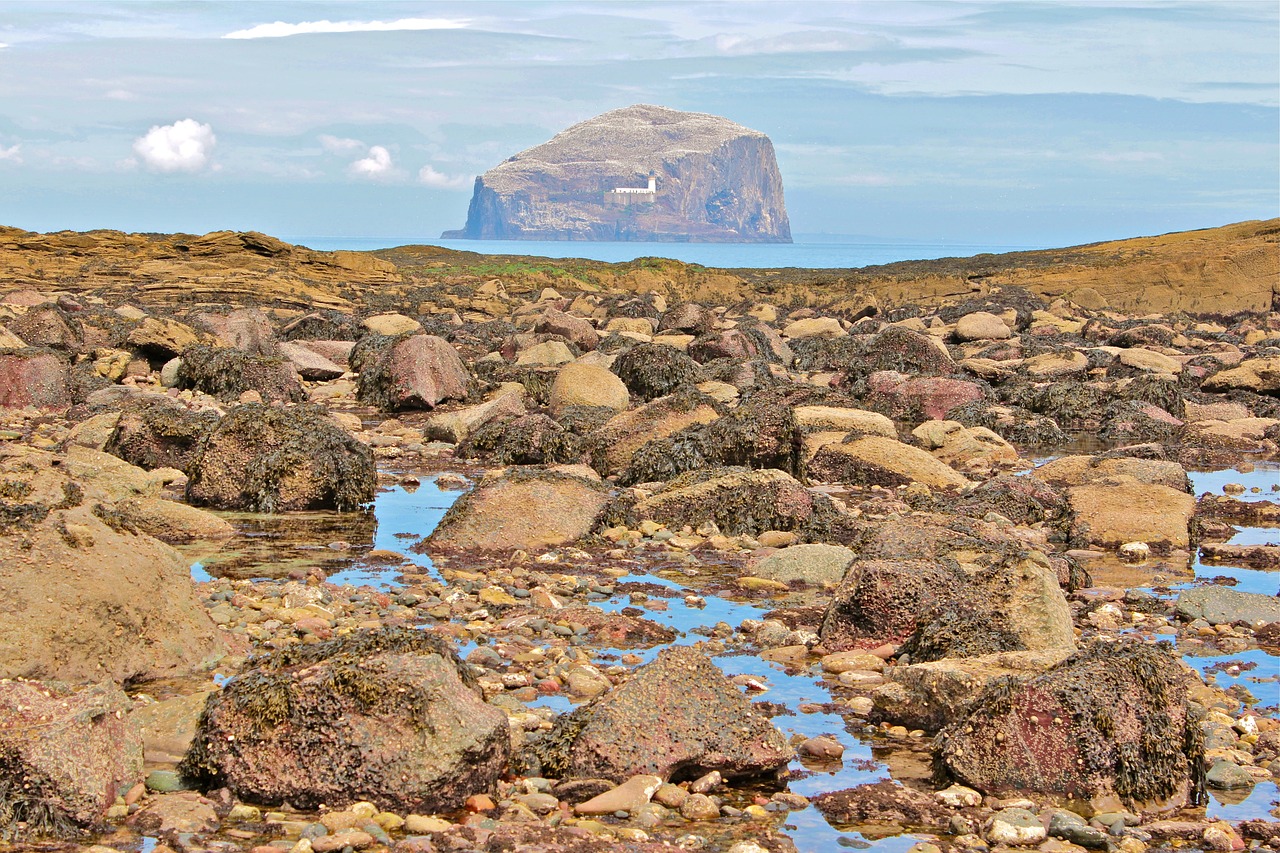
(455, 426)
(164, 338)
(272, 459)
(532, 439)
(48, 326)
(68, 755)
(1110, 727)
(879, 600)
(911, 397)
(309, 363)
(389, 716)
(982, 326)
(1259, 375)
(1083, 470)
(85, 597)
(1120, 510)
(876, 460)
(34, 377)
(610, 448)
(226, 373)
(579, 384)
(678, 718)
(413, 372)
(576, 330)
(523, 508)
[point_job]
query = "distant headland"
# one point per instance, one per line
(642, 173)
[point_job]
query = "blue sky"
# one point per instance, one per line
(1038, 123)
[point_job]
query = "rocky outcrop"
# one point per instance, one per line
(713, 181)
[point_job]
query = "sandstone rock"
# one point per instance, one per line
(716, 181)
(68, 755)
(907, 397)
(173, 522)
(953, 443)
(167, 727)
(814, 327)
(883, 802)
(1056, 365)
(176, 814)
(878, 601)
(246, 329)
(576, 330)
(405, 728)
(813, 564)
(1109, 726)
(391, 325)
(164, 337)
(48, 326)
(1149, 361)
(309, 363)
(627, 797)
(981, 326)
(1124, 510)
(876, 460)
(34, 377)
(1221, 605)
(1083, 470)
(417, 372)
(738, 501)
(835, 418)
(611, 447)
(1259, 375)
(267, 459)
(546, 353)
(522, 509)
(688, 317)
(587, 385)
(456, 426)
(677, 717)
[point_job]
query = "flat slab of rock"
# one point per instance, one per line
(876, 460)
(522, 509)
(1219, 605)
(1124, 510)
(815, 564)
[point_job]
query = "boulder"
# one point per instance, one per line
(454, 427)
(879, 600)
(68, 755)
(269, 459)
(900, 349)
(246, 329)
(309, 363)
(85, 597)
(164, 338)
(840, 419)
(159, 432)
(533, 439)
(678, 718)
(982, 326)
(391, 325)
(876, 460)
(1220, 605)
(737, 500)
(549, 353)
(1056, 365)
(1122, 510)
(1259, 375)
(1109, 727)
(954, 443)
(733, 344)
(587, 385)
(48, 326)
(576, 330)
(656, 370)
(907, 396)
(1149, 361)
(814, 327)
(522, 508)
(34, 377)
(1082, 470)
(884, 802)
(815, 564)
(414, 372)
(403, 724)
(611, 447)
(226, 373)
(173, 522)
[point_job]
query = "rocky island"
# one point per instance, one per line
(309, 552)
(643, 173)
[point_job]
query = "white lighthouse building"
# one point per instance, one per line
(639, 193)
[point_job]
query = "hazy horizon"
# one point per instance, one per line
(1038, 124)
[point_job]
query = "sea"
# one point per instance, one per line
(808, 252)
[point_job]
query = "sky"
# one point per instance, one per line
(1036, 123)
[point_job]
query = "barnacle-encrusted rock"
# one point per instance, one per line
(387, 716)
(269, 459)
(1109, 726)
(226, 372)
(677, 718)
(157, 432)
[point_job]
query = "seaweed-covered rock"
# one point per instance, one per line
(532, 439)
(876, 460)
(902, 350)
(678, 718)
(879, 600)
(387, 716)
(655, 370)
(158, 432)
(67, 756)
(1109, 726)
(729, 343)
(409, 372)
(1133, 421)
(1024, 499)
(269, 459)
(738, 501)
(34, 377)
(884, 802)
(687, 317)
(610, 448)
(227, 373)
(523, 508)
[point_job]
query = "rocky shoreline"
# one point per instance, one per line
(967, 528)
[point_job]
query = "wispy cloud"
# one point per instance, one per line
(121, 95)
(183, 146)
(376, 164)
(13, 153)
(339, 145)
(3, 45)
(439, 180)
(280, 29)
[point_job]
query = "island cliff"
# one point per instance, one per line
(642, 173)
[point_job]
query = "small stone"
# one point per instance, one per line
(958, 796)
(354, 838)
(1221, 837)
(1016, 827)
(1134, 552)
(627, 797)
(480, 803)
(165, 782)
(824, 747)
(1227, 775)
(670, 795)
(706, 783)
(416, 824)
(699, 807)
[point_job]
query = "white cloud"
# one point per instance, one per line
(339, 145)
(280, 29)
(13, 152)
(3, 45)
(183, 146)
(377, 163)
(441, 181)
(121, 95)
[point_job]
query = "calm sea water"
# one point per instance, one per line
(812, 253)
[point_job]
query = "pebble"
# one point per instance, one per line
(1016, 827)
(699, 807)
(627, 797)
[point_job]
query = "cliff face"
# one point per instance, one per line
(714, 181)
